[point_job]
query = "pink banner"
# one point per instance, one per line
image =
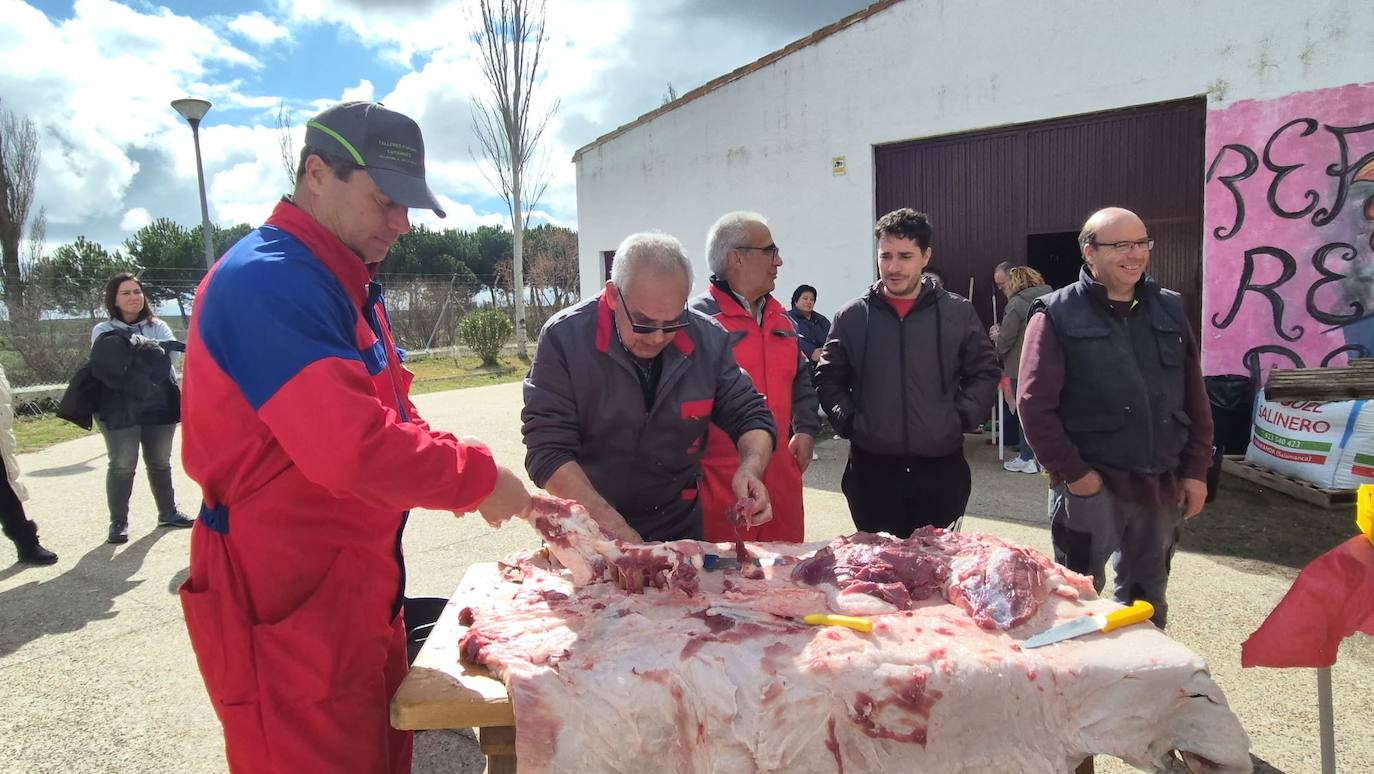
(1289, 237)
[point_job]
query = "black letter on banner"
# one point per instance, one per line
(1342, 171)
(1328, 276)
(1251, 164)
(1355, 350)
(1251, 360)
(1281, 171)
(1290, 267)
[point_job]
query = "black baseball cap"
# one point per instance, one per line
(385, 143)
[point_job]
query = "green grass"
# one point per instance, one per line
(434, 374)
(35, 433)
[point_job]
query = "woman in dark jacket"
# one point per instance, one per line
(812, 327)
(140, 403)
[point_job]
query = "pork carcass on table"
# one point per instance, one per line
(712, 672)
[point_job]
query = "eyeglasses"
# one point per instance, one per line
(1124, 247)
(771, 251)
(644, 330)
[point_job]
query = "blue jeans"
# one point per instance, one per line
(122, 446)
(1013, 433)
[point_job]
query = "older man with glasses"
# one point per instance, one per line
(1112, 400)
(622, 392)
(744, 262)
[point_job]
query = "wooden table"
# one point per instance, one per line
(442, 691)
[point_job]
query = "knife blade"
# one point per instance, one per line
(717, 562)
(856, 623)
(1140, 610)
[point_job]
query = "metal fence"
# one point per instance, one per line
(43, 342)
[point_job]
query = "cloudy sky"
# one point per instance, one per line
(96, 77)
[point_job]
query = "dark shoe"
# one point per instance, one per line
(119, 532)
(35, 553)
(176, 519)
(25, 537)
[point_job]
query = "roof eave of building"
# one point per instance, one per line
(736, 74)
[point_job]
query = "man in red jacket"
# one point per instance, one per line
(744, 263)
(299, 428)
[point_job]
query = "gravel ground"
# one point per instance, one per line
(96, 674)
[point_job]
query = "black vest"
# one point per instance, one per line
(1122, 402)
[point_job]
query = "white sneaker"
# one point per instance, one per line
(1030, 466)
(815, 456)
(1014, 465)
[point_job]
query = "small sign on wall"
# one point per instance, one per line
(837, 166)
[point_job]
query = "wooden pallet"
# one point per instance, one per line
(1331, 499)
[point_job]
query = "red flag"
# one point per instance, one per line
(1332, 599)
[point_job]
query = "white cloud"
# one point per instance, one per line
(135, 219)
(399, 30)
(463, 217)
(363, 92)
(258, 29)
(98, 86)
(586, 41)
(249, 173)
(98, 83)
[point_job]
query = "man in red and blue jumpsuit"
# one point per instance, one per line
(299, 428)
(744, 263)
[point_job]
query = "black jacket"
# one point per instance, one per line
(136, 386)
(907, 387)
(82, 398)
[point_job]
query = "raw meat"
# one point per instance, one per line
(998, 584)
(610, 682)
(579, 544)
(739, 517)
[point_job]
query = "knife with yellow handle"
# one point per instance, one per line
(1140, 610)
(848, 621)
(811, 619)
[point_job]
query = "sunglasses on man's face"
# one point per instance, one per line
(645, 330)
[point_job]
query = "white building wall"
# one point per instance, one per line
(924, 68)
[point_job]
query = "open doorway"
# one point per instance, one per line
(1055, 256)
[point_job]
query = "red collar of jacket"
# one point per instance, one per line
(345, 264)
(605, 329)
(730, 305)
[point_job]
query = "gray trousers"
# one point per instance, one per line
(1087, 531)
(122, 446)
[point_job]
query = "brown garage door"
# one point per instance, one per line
(1020, 193)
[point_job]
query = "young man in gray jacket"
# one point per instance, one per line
(906, 371)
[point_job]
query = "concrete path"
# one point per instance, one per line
(96, 674)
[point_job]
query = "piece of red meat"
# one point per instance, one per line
(1000, 586)
(579, 544)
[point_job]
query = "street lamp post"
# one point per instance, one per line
(193, 110)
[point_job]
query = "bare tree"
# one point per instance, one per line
(18, 176)
(38, 234)
(510, 39)
(287, 145)
(670, 95)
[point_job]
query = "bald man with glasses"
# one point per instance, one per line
(622, 392)
(1112, 401)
